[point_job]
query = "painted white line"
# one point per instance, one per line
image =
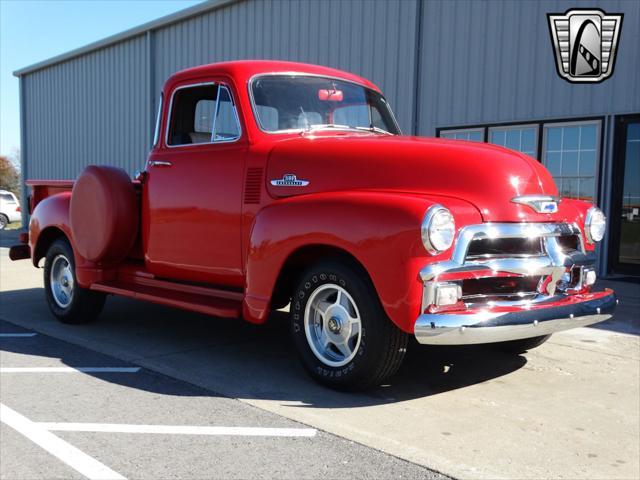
(69, 369)
(72, 456)
(9, 335)
(179, 429)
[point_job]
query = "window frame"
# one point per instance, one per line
(520, 126)
(598, 150)
(156, 130)
(482, 131)
(202, 84)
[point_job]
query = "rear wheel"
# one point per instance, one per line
(521, 346)
(4, 221)
(341, 332)
(69, 302)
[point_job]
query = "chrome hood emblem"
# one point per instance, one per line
(540, 203)
(289, 180)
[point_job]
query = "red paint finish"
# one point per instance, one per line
(201, 228)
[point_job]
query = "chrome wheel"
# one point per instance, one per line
(61, 280)
(332, 325)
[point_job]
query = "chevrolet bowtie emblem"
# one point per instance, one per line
(540, 203)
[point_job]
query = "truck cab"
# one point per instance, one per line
(274, 184)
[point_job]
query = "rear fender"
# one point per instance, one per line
(381, 230)
(50, 221)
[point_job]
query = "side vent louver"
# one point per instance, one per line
(253, 185)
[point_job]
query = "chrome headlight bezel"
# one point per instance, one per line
(595, 219)
(438, 221)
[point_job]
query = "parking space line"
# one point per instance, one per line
(179, 429)
(12, 335)
(69, 369)
(72, 456)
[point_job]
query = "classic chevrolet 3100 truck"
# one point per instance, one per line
(273, 183)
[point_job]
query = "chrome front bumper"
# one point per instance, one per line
(552, 315)
(556, 306)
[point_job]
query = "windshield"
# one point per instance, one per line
(299, 102)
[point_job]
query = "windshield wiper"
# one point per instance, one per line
(313, 128)
(374, 129)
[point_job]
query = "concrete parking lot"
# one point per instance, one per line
(570, 409)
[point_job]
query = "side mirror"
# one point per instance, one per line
(330, 95)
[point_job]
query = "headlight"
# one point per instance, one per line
(438, 229)
(595, 225)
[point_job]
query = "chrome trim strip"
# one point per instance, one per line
(538, 202)
(485, 326)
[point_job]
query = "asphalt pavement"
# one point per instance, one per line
(569, 409)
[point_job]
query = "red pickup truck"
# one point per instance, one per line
(274, 183)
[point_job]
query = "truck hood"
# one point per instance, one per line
(485, 175)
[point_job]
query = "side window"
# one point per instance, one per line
(156, 132)
(225, 125)
(202, 114)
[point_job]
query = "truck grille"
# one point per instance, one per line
(491, 289)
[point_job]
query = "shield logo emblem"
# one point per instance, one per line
(585, 44)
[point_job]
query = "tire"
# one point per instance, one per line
(521, 346)
(68, 302)
(4, 221)
(371, 346)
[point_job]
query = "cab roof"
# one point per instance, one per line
(243, 70)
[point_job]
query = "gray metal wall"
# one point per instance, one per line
(92, 109)
(371, 37)
(465, 62)
(491, 61)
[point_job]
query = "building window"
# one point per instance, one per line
(570, 154)
(523, 138)
(472, 134)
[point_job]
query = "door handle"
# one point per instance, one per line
(159, 163)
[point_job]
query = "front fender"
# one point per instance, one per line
(381, 230)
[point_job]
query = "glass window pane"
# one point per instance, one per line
(513, 139)
(528, 141)
(498, 137)
(570, 137)
(553, 163)
(633, 131)
(588, 137)
(203, 117)
(587, 189)
(226, 125)
(569, 163)
(570, 187)
(588, 163)
(475, 136)
(268, 117)
(554, 138)
(447, 135)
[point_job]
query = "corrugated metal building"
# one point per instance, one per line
(467, 69)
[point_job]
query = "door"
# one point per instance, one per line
(625, 222)
(193, 189)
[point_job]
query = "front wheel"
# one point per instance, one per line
(341, 332)
(68, 302)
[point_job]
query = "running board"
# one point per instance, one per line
(218, 303)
